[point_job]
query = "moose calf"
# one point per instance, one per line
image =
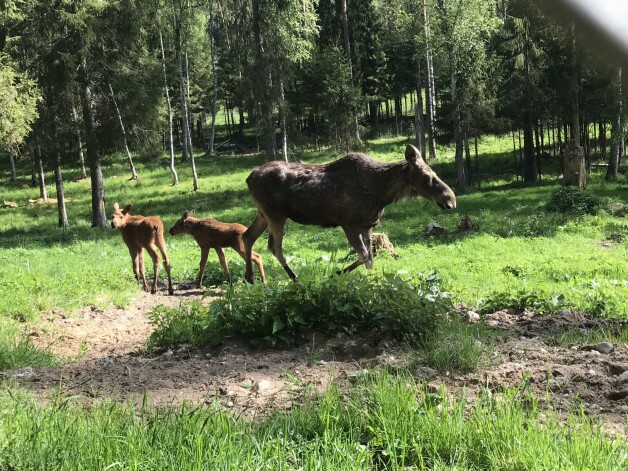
(212, 234)
(141, 233)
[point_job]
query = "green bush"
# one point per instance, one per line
(404, 306)
(570, 199)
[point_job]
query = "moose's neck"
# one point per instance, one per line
(393, 183)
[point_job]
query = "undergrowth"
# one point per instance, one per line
(400, 305)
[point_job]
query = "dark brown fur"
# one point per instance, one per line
(212, 234)
(350, 192)
(139, 233)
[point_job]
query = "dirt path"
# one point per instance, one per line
(107, 347)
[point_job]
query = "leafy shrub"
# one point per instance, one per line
(570, 199)
(403, 306)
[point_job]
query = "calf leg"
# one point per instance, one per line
(152, 251)
(161, 244)
(223, 262)
(135, 260)
(276, 228)
(360, 240)
(201, 268)
(255, 257)
(249, 237)
(142, 268)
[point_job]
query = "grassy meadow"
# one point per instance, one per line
(518, 256)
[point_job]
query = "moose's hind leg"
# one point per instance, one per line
(360, 240)
(249, 237)
(277, 228)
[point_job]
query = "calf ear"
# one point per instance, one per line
(413, 155)
(116, 206)
(193, 212)
(127, 210)
(185, 215)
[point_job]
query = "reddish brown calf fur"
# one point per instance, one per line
(139, 233)
(212, 234)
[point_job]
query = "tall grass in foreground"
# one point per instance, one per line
(386, 423)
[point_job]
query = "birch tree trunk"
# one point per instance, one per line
(186, 80)
(264, 84)
(99, 217)
(124, 139)
(12, 165)
(429, 89)
(283, 119)
(43, 193)
(347, 50)
(418, 110)
(79, 144)
(212, 37)
(173, 170)
(63, 215)
(184, 114)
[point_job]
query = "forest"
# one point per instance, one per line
(489, 328)
(83, 79)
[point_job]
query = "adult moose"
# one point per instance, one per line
(350, 192)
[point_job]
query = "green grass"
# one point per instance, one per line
(384, 422)
(520, 256)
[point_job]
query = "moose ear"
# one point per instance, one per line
(116, 207)
(413, 155)
(128, 208)
(193, 212)
(185, 215)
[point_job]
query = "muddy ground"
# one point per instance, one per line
(107, 357)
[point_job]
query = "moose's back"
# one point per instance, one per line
(339, 193)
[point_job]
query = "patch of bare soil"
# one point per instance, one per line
(253, 380)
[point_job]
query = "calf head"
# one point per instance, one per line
(120, 216)
(182, 226)
(426, 183)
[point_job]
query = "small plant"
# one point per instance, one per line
(570, 199)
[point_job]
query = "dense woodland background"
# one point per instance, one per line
(83, 78)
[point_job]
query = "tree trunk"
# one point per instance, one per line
(43, 193)
(418, 109)
(616, 131)
(124, 139)
(173, 170)
(79, 144)
(530, 172)
(574, 166)
(63, 215)
(282, 120)
(12, 165)
(461, 174)
(347, 50)
(185, 129)
(99, 217)
(430, 90)
(186, 80)
(602, 139)
(264, 84)
(212, 38)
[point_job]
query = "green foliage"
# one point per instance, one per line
(571, 199)
(18, 104)
(403, 306)
(385, 422)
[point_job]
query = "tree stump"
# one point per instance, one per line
(574, 172)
